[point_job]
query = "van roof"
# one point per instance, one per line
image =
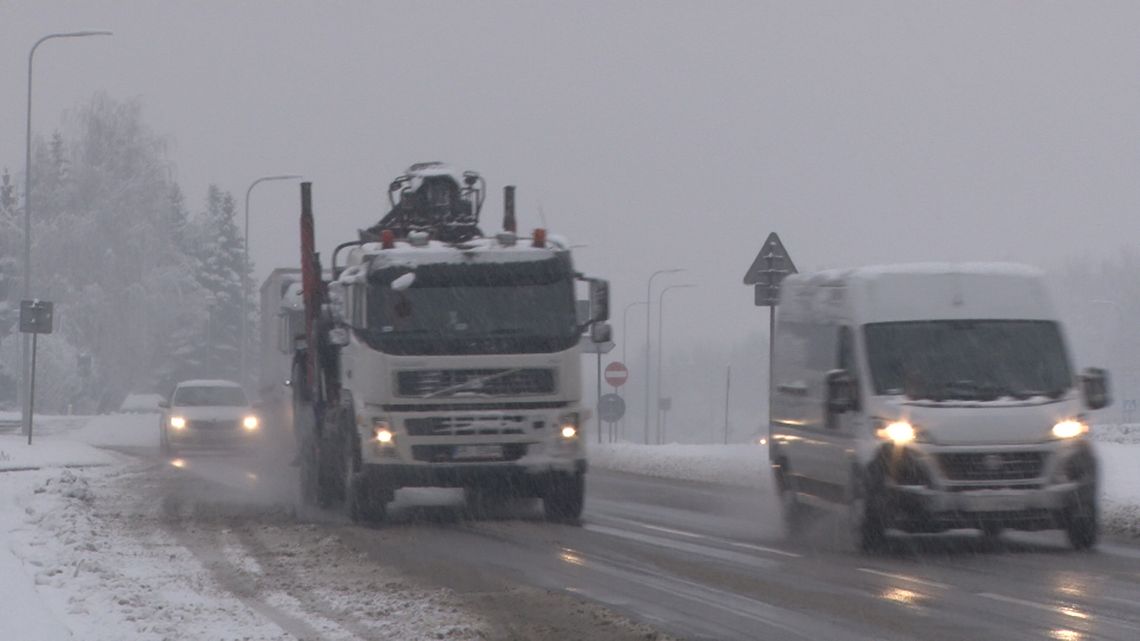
(919, 291)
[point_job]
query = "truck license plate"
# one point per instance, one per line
(477, 452)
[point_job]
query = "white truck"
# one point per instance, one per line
(437, 356)
(930, 397)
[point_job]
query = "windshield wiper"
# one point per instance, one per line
(471, 383)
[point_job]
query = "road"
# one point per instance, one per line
(701, 561)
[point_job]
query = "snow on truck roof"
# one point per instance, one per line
(920, 291)
(474, 251)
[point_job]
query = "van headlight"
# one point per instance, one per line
(1071, 428)
(250, 423)
(177, 422)
(898, 432)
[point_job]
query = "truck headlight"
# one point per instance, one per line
(177, 422)
(382, 433)
(568, 426)
(250, 423)
(1071, 428)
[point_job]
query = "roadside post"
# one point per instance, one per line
(770, 267)
(35, 319)
(616, 375)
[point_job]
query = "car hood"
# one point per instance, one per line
(211, 413)
(982, 423)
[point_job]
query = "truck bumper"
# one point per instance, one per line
(522, 478)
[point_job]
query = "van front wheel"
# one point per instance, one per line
(866, 511)
(794, 512)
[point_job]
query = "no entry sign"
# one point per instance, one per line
(616, 374)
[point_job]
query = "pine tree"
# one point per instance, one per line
(221, 273)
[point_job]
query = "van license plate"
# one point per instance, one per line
(477, 452)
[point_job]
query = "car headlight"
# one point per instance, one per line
(250, 423)
(898, 432)
(568, 426)
(178, 422)
(1071, 428)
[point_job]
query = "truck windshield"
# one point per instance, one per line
(210, 396)
(522, 307)
(968, 360)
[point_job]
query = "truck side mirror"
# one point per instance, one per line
(599, 300)
(842, 392)
(1094, 388)
(601, 333)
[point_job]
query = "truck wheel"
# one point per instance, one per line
(365, 500)
(564, 497)
(308, 457)
(1081, 525)
(795, 513)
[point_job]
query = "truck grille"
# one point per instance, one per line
(991, 466)
(443, 383)
(469, 425)
(446, 453)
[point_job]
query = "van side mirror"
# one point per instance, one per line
(1094, 388)
(842, 392)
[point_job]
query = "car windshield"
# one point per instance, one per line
(210, 396)
(463, 309)
(968, 360)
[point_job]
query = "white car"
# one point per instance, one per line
(208, 414)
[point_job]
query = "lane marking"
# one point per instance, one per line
(761, 548)
(904, 577)
(694, 535)
(683, 546)
(1055, 609)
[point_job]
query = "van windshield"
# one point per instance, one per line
(976, 360)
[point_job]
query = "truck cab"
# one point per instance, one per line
(929, 397)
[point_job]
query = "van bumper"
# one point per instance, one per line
(923, 509)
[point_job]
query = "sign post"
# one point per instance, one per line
(35, 319)
(770, 267)
(616, 376)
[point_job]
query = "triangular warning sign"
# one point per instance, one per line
(771, 264)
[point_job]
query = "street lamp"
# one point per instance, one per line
(245, 269)
(660, 349)
(25, 352)
(648, 314)
(624, 330)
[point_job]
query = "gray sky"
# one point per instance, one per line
(659, 134)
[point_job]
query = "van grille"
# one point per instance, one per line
(991, 466)
(444, 383)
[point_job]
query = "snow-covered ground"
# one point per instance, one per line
(747, 464)
(94, 547)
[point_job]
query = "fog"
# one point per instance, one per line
(656, 135)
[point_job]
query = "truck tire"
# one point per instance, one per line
(365, 500)
(795, 513)
(565, 497)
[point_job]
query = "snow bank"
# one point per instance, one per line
(120, 430)
(48, 451)
(1111, 433)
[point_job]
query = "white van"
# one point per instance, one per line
(929, 397)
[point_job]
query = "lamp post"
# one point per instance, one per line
(245, 270)
(660, 349)
(648, 315)
(25, 352)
